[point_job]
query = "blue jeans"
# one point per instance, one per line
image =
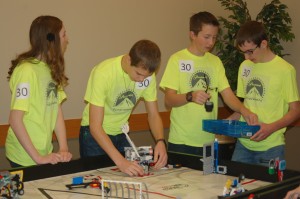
(89, 147)
(242, 154)
(182, 148)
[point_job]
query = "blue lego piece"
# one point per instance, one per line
(216, 154)
(77, 180)
(235, 183)
(282, 165)
(232, 128)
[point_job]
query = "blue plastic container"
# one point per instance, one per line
(232, 128)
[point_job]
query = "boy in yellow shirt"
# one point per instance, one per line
(114, 88)
(188, 75)
(269, 87)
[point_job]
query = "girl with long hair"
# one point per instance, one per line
(37, 80)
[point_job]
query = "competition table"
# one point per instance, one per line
(48, 181)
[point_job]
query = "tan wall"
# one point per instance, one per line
(99, 29)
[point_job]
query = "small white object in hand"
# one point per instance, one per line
(125, 128)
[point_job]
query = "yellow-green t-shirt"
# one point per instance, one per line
(110, 87)
(267, 89)
(35, 93)
(186, 72)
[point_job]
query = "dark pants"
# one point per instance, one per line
(13, 164)
(181, 148)
(89, 147)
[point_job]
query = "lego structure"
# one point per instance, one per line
(143, 157)
(11, 185)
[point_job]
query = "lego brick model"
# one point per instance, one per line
(11, 185)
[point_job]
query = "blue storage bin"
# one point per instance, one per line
(232, 128)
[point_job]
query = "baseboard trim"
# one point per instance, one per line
(137, 122)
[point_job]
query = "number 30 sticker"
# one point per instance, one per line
(186, 66)
(22, 91)
(144, 84)
(246, 71)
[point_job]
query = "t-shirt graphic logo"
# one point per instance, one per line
(255, 90)
(51, 94)
(199, 79)
(126, 99)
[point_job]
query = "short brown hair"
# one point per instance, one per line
(201, 18)
(146, 54)
(251, 31)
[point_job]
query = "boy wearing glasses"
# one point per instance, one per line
(193, 77)
(269, 88)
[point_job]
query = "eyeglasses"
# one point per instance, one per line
(250, 51)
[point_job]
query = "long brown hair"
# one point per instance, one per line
(45, 46)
